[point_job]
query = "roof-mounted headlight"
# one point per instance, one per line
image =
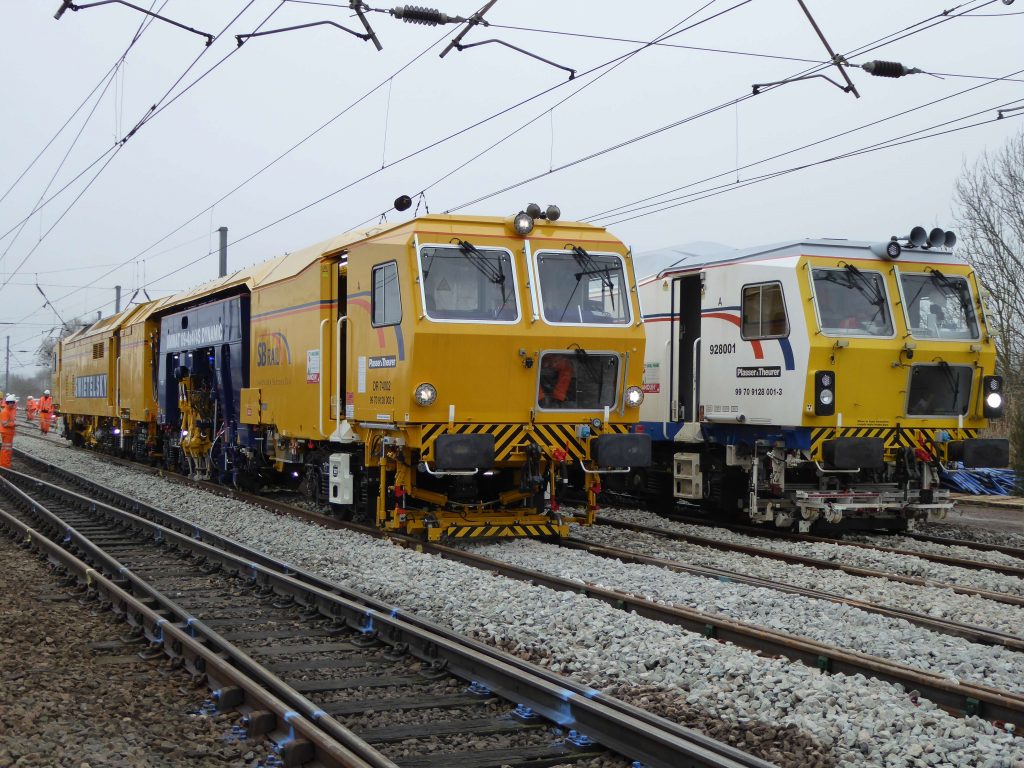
(522, 223)
(889, 250)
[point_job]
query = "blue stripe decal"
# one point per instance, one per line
(401, 341)
(787, 353)
(787, 348)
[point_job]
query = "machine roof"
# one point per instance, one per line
(278, 268)
(688, 261)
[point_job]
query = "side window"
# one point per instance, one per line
(764, 312)
(387, 298)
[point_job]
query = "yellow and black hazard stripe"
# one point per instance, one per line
(893, 437)
(513, 438)
(501, 531)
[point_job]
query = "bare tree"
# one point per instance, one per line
(989, 198)
(44, 353)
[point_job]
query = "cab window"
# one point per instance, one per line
(851, 302)
(463, 282)
(938, 306)
(764, 312)
(387, 298)
(577, 381)
(577, 287)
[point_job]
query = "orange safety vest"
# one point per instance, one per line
(45, 403)
(7, 420)
(563, 370)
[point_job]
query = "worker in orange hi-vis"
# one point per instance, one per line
(8, 423)
(31, 407)
(45, 409)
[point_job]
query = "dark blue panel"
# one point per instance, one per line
(207, 325)
(185, 337)
(795, 438)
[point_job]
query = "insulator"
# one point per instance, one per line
(885, 69)
(415, 14)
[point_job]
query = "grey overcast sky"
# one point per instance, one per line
(275, 90)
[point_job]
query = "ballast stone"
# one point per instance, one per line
(493, 610)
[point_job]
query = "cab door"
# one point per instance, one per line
(685, 348)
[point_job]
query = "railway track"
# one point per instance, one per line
(324, 652)
(959, 562)
(968, 632)
(954, 697)
(813, 562)
(1017, 552)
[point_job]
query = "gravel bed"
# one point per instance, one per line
(785, 712)
(903, 565)
(933, 548)
(832, 624)
(973, 533)
(66, 705)
(937, 602)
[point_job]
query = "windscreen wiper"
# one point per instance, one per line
(871, 291)
(951, 287)
(954, 384)
(493, 272)
(591, 267)
(583, 360)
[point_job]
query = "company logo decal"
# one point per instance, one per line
(384, 361)
(272, 349)
(759, 372)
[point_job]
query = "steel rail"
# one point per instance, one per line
(265, 713)
(813, 562)
(620, 727)
(973, 633)
(974, 565)
(977, 545)
(956, 698)
(154, 630)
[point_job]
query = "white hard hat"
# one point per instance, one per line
(10, 399)
(46, 391)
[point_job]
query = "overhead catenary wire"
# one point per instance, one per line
(112, 72)
(940, 17)
(112, 79)
(60, 130)
(323, 126)
(946, 15)
(449, 137)
(633, 41)
(727, 51)
(150, 114)
(904, 139)
(880, 42)
(644, 45)
(639, 204)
